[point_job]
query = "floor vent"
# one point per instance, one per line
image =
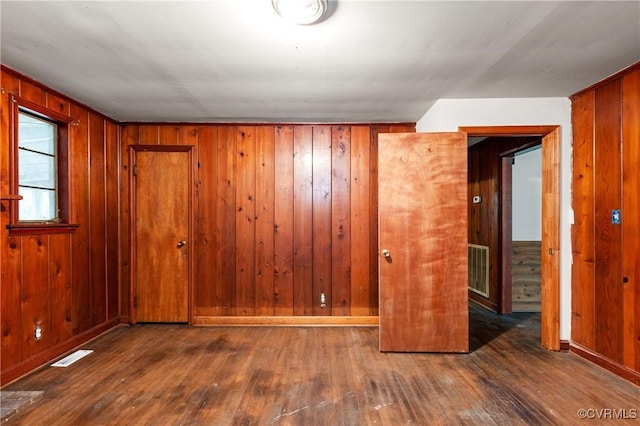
(479, 269)
(70, 359)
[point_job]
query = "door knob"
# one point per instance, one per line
(386, 253)
(181, 243)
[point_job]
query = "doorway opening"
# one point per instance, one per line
(494, 225)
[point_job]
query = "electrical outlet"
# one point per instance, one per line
(323, 300)
(37, 333)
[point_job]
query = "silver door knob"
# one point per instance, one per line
(386, 253)
(181, 243)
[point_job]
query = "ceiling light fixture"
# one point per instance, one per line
(301, 12)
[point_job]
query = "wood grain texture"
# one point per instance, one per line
(423, 283)
(340, 220)
(247, 375)
(321, 221)
(113, 224)
(226, 220)
(608, 237)
(245, 221)
(550, 262)
(264, 214)
(162, 218)
(583, 231)
(205, 292)
(97, 219)
(526, 276)
(283, 221)
(360, 215)
(631, 219)
(302, 220)
(81, 214)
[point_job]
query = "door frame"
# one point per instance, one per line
(133, 287)
(550, 262)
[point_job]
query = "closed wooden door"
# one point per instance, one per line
(162, 245)
(422, 192)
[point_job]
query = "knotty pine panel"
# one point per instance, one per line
(631, 218)
(321, 220)
(57, 280)
(264, 220)
(97, 219)
(245, 221)
(281, 211)
(205, 294)
(81, 213)
(360, 219)
(112, 200)
(340, 218)
(608, 236)
(283, 220)
(583, 231)
(302, 220)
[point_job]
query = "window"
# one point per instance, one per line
(37, 165)
(39, 170)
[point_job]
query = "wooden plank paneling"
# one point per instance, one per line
(35, 293)
(302, 220)
(10, 295)
(97, 219)
(583, 237)
(61, 296)
(631, 218)
(322, 197)
(226, 220)
(205, 295)
(188, 135)
(149, 134)
(129, 135)
(373, 224)
(264, 220)
(245, 220)
(283, 220)
(47, 279)
(112, 163)
(340, 218)
(80, 213)
(167, 134)
(360, 219)
(608, 237)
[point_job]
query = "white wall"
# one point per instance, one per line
(446, 115)
(527, 196)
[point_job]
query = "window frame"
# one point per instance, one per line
(63, 171)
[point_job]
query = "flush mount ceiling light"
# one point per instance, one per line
(301, 12)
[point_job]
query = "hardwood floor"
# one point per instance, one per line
(181, 375)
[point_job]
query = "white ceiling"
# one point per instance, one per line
(236, 60)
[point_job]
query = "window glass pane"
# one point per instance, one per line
(36, 170)
(37, 134)
(37, 204)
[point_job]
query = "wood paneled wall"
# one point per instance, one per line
(606, 176)
(526, 276)
(65, 283)
(283, 213)
(485, 218)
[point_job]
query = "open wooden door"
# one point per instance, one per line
(161, 226)
(422, 190)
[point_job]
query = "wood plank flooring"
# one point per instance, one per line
(181, 375)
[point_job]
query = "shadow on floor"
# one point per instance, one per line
(485, 326)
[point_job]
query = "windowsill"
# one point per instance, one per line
(41, 228)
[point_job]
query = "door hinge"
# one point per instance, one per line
(135, 301)
(135, 170)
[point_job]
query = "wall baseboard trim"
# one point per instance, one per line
(606, 363)
(287, 321)
(42, 359)
(565, 345)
